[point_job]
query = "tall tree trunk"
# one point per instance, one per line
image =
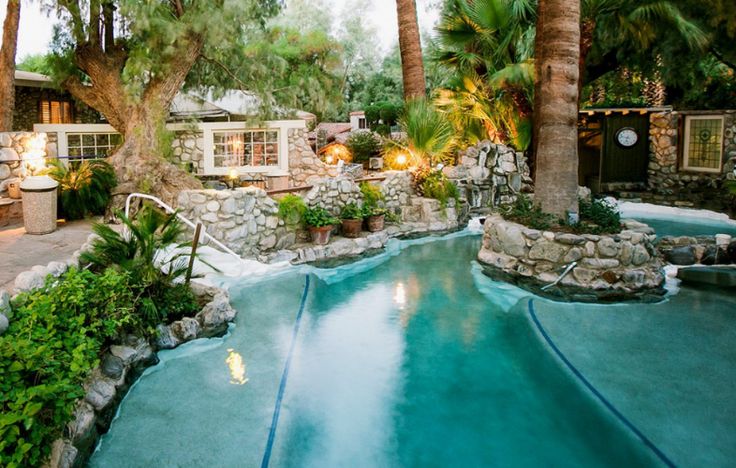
(556, 92)
(7, 65)
(138, 162)
(412, 65)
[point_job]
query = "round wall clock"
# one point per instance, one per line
(627, 137)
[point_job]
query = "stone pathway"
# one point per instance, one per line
(20, 251)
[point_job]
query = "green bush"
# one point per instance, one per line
(319, 217)
(436, 185)
(363, 145)
(52, 343)
(291, 209)
(85, 189)
(372, 194)
(598, 217)
(351, 211)
(137, 255)
(523, 211)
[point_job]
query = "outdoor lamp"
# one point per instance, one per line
(232, 175)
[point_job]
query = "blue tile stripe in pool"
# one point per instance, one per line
(595, 391)
(284, 378)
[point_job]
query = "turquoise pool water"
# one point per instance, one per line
(687, 226)
(417, 359)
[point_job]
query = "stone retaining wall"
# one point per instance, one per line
(704, 250)
(333, 193)
(397, 190)
(609, 267)
(244, 219)
(305, 167)
(490, 174)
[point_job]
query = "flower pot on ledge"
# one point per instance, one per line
(351, 227)
(375, 222)
(320, 235)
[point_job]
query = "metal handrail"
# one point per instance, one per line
(186, 221)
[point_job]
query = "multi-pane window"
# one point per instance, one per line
(55, 112)
(703, 143)
(91, 145)
(237, 148)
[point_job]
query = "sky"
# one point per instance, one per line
(35, 31)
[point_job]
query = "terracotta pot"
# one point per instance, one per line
(351, 227)
(375, 223)
(14, 190)
(320, 235)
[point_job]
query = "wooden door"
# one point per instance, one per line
(623, 161)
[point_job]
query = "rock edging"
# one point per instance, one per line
(617, 267)
(122, 364)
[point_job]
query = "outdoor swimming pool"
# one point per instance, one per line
(415, 358)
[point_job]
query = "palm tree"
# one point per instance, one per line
(556, 105)
(7, 65)
(488, 45)
(412, 65)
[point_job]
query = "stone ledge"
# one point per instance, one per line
(623, 266)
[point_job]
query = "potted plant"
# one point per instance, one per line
(352, 220)
(375, 218)
(320, 223)
(374, 214)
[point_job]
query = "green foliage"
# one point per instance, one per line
(291, 209)
(382, 116)
(436, 185)
(319, 217)
(84, 189)
(363, 145)
(52, 344)
(351, 211)
(36, 63)
(598, 217)
(524, 211)
(140, 254)
(372, 195)
(430, 136)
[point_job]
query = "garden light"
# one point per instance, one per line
(401, 159)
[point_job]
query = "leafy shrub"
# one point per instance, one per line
(598, 217)
(85, 189)
(53, 342)
(351, 211)
(319, 217)
(291, 209)
(524, 211)
(363, 145)
(140, 255)
(372, 194)
(436, 185)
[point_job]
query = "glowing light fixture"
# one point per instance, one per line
(401, 159)
(236, 366)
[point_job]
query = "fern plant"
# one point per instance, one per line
(84, 190)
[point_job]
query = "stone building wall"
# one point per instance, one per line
(609, 267)
(188, 148)
(305, 167)
(13, 147)
(490, 174)
(667, 181)
(26, 109)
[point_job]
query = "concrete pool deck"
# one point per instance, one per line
(20, 251)
(667, 367)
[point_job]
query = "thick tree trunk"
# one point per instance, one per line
(138, 163)
(412, 65)
(556, 85)
(7, 65)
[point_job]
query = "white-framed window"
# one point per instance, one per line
(241, 148)
(362, 123)
(703, 146)
(92, 144)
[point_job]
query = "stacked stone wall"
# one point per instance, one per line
(609, 267)
(490, 174)
(305, 167)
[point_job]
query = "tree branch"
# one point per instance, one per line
(223, 67)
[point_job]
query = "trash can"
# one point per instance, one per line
(39, 204)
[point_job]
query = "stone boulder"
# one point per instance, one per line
(684, 255)
(215, 316)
